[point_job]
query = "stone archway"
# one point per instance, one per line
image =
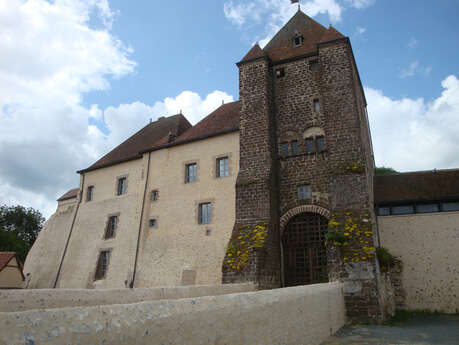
(303, 251)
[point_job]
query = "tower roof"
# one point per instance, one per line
(281, 45)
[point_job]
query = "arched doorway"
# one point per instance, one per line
(304, 252)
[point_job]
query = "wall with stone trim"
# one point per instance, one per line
(427, 245)
(296, 315)
(22, 300)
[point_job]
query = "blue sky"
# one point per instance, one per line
(77, 77)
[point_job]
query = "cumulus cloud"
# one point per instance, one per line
(278, 12)
(52, 54)
(414, 134)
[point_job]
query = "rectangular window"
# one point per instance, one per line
(294, 147)
(320, 144)
(122, 184)
(304, 192)
(284, 149)
(313, 64)
(152, 222)
(89, 193)
(111, 227)
(384, 211)
(280, 72)
(102, 264)
(427, 208)
(310, 147)
(405, 209)
(154, 195)
(316, 105)
(190, 173)
(450, 206)
(204, 213)
(222, 167)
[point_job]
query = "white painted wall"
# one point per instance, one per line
(428, 246)
(297, 315)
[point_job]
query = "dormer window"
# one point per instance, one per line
(297, 40)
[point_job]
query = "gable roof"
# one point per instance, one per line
(254, 53)
(417, 186)
(72, 193)
(142, 140)
(280, 47)
(5, 257)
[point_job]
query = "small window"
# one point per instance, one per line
(320, 144)
(450, 206)
(427, 208)
(222, 167)
(190, 173)
(89, 193)
(304, 192)
(152, 222)
(405, 209)
(316, 103)
(280, 72)
(297, 41)
(384, 211)
(310, 147)
(154, 195)
(294, 145)
(122, 184)
(111, 227)
(204, 213)
(284, 149)
(102, 264)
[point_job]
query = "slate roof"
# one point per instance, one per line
(142, 140)
(280, 47)
(72, 193)
(417, 186)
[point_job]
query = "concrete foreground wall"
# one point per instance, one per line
(428, 246)
(21, 300)
(296, 315)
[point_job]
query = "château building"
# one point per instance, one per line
(250, 192)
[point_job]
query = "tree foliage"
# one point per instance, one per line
(19, 228)
(384, 171)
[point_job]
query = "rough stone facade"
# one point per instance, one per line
(277, 109)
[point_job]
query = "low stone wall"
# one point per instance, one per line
(21, 300)
(296, 315)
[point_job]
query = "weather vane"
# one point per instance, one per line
(296, 2)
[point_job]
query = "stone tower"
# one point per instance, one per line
(306, 168)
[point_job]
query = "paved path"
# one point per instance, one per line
(421, 330)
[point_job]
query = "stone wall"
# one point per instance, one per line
(22, 300)
(427, 245)
(297, 315)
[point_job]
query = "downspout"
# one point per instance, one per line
(131, 285)
(70, 233)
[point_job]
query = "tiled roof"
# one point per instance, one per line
(281, 47)
(417, 186)
(225, 118)
(72, 193)
(253, 53)
(6, 257)
(142, 140)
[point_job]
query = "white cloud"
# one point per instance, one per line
(278, 12)
(413, 43)
(412, 134)
(410, 71)
(360, 30)
(50, 57)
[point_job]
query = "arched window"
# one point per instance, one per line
(314, 139)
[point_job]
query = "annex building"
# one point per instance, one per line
(277, 188)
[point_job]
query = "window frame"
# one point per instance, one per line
(155, 222)
(304, 190)
(111, 226)
(187, 172)
(90, 193)
(225, 160)
(284, 149)
(294, 152)
(205, 217)
(154, 195)
(316, 104)
(314, 148)
(121, 185)
(101, 268)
